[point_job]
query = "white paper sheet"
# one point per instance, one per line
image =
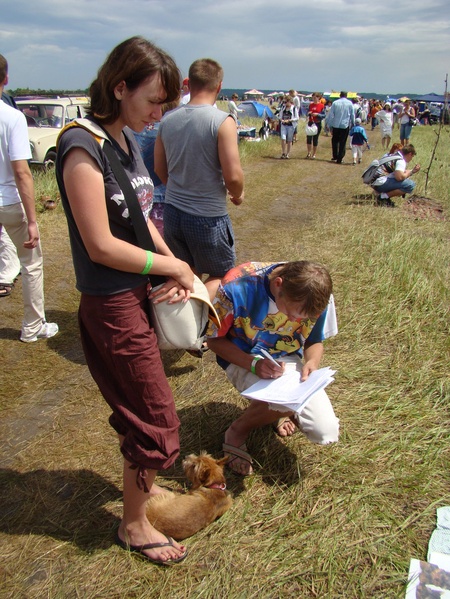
(288, 390)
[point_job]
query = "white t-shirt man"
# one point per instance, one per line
(14, 145)
(400, 165)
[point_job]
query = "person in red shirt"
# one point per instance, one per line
(373, 113)
(316, 114)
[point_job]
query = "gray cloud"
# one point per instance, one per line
(400, 46)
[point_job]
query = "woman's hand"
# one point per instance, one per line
(178, 287)
(171, 292)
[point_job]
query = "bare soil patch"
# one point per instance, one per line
(422, 208)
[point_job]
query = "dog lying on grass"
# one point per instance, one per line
(182, 515)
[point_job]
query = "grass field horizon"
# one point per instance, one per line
(336, 522)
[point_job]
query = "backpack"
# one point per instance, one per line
(375, 170)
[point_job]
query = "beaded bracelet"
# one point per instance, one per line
(253, 366)
(148, 264)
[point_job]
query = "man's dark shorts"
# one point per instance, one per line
(205, 243)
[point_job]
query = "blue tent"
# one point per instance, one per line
(255, 110)
(431, 98)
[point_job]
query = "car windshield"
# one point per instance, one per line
(43, 115)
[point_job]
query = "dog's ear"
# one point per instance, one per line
(223, 461)
(189, 464)
(189, 460)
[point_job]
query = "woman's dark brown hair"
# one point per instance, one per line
(133, 61)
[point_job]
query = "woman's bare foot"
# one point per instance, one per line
(137, 534)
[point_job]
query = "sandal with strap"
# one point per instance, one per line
(279, 423)
(5, 289)
(237, 453)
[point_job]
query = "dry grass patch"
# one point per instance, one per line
(326, 522)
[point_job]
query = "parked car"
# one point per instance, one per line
(46, 117)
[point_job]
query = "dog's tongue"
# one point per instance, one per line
(221, 486)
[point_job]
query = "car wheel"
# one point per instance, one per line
(50, 160)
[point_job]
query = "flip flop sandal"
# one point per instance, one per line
(141, 548)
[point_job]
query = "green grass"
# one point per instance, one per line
(314, 522)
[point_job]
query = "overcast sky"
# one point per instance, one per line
(400, 46)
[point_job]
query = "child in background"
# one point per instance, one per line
(386, 122)
(327, 109)
(358, 139)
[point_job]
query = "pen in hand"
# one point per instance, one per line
(275, 373)
(268, 356)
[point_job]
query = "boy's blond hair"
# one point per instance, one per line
(306, 283)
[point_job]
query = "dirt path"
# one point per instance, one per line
(42, 382)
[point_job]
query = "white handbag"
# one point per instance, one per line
(311, 130)
(183, 325)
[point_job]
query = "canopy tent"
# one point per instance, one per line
(334, 95)
(255, 110)
(253, 93)
(431, 98)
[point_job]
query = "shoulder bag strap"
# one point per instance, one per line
(137, 218)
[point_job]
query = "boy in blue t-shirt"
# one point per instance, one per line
(287, 310)
(358, 139)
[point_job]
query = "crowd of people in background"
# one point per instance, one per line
(348, 119)
(342, 118)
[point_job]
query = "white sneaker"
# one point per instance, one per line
(47, 330)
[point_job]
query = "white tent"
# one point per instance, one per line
(253, 93)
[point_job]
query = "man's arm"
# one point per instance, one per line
(230, 161)
(329, 117)
(352, 116)
(25, 186)
(160, 165)
(400, 175)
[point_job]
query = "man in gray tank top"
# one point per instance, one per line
(197, 156)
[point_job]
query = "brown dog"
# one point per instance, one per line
(180, 516)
